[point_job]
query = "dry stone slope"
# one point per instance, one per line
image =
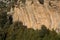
(33, 13)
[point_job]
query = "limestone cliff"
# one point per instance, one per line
(34, 13)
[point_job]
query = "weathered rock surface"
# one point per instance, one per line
(33, 13)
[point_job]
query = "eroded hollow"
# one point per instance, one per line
(41, 1)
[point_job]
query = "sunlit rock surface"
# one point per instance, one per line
(33, 13)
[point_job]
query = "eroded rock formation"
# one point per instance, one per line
(34, 13)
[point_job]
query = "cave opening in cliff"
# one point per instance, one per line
(41, 1)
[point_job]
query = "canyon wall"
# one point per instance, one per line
(34, 13)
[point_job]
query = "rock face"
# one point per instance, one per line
(34, 13)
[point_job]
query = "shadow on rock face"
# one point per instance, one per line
(41, 1)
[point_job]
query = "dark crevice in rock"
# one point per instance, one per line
(10, 19)
(41, 1)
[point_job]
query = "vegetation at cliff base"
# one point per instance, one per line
(17, 31)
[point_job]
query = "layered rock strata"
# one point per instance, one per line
(33, 14)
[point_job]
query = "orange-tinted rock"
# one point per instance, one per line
(34, 15)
